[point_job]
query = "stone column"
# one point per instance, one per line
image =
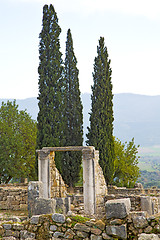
(43, 172)
(89, 181)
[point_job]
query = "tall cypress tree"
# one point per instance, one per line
(100, 132)
(71, 161)
(51, 83)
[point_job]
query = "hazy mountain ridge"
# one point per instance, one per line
(135, 116)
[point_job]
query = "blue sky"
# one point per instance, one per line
(132, 35)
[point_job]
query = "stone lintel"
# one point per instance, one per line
(68, 148)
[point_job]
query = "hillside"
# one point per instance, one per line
(135, 116)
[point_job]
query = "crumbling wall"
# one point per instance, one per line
(57, 186)
(13, 197)
(100, 186)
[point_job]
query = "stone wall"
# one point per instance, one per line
(13, 196)
(125, 191)
(100, 186)
(57, 226)
(57, 186)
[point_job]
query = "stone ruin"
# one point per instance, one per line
(129, 213)
(50, 194)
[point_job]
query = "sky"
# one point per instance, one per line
(131, 30)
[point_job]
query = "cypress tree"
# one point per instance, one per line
(100, 132)
(51, 83)
(71, 161)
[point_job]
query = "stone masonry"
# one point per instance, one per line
(13, 197)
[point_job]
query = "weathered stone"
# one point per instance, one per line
(34, 219)
(82, 234)
(94, 237)
(105, 236)
(9, 238)
(146, 204)
(96, 231)
(23, 206)
(148, 229)
(9, 233)
(7, 226)
(82, 227)
(140, 222)
(35, 190)
(58, 234)
(17, 226)
(1, 231)
(43, 206)
(63, 205)
(145, 236)
(59, 218)
(116, 222)
(69, 234)
(118, 208)
(157, 227)
(100, 224)
(53, 228)
(117, 231)
(24, 234)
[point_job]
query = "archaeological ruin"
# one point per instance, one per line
(92, 212)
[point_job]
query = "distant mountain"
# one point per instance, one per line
(28, 104)
(135, 116)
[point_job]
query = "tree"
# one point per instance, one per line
(71, 161)
(126, 170)
(51, 83)
(100, 132)
(17, 143)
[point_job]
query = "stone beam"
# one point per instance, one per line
(65, 149)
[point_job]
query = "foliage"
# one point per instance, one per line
(73, 131)
(100, 132)
(79, 219)
(17, 143)
(126, 170)
(150, 179)
(51, 83)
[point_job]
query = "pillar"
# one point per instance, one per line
(43, 172)
(89, 181)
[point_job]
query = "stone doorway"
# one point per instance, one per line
(94, 187)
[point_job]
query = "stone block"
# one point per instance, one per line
(145, 236)
(24, 234)
(23, 206)
(69, 234)
(94, 237)
(17, 226)
(117, 231)
(43, 206)
(9, 238)
(82, 235)
(140, 222)
(63, 205)
(118, 208)
(58, 234)
(34, 219)
(59, 218)
(146, 204)
(82, 227)
(35, 190)
(7, 226)
(53, 228)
